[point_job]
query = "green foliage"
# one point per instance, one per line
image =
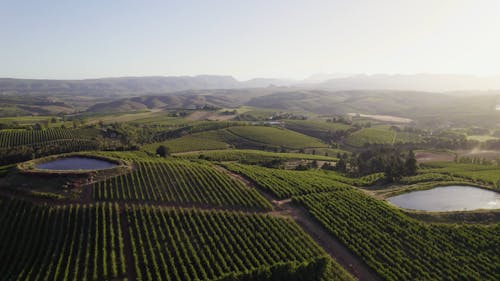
(297, 182)
(171, 244)
(400, 248)
(77, 242)
(381, 135)
(481, 174)
(391, 162)
(21, 145)
(181, 182)
(328, 131)
(275, 137)
(163, 151)
(12, 138)
(251, 156)
(188, 143)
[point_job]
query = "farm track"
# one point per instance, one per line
(340, 253)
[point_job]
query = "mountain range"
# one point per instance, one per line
(169, 84)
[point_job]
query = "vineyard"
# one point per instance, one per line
(400, 248)
(317, 129)
(179, 181)
(187, 143)
(75, 242)
(380, 135)
(17, 145)
(185, 218)
(297, 182)
(275, 137)
(251, 156)
(171, 244)
(396, 246)
(10, 138)
(482, 174)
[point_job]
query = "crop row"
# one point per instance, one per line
(10, 138)
(16, 154)
(287, 183)
(251, 156)
(75, 242)
(179, 181)
(170, 244)
(482, 174)
(400, 248)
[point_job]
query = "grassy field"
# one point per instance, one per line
(31, 120)
(316, 128)
(380, 135)
(481, 138)
(259, 137)
(275, 137)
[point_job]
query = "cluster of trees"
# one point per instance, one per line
(392, 162)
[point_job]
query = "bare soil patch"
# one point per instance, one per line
(384, 118)
(434, 156)
(208, 115)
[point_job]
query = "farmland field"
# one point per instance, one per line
(194, 245)
(380, 135)
(76, 242)
(249, 141)
(405, 249)
(187, 143)
(10, 138)
(251, 156)
(297, 182)
(180, 182)
(483, 174)
(264, 196)
(275, 137)
(319, 129)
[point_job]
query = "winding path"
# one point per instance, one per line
(340, 253)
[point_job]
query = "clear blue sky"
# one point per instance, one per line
(252, 38)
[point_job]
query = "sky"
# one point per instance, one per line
(71, 39)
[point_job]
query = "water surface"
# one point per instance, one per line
(76, 163)
(448, 198)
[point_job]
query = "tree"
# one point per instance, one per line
(37, 126)
(341, 165)
(410, 164)
(163, 151)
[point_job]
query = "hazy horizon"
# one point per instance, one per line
(278, 39)
(313, 78)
